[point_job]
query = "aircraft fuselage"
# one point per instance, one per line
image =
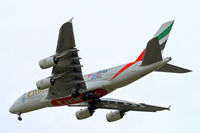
(101, 83)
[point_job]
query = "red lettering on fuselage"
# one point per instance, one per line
(71, 100)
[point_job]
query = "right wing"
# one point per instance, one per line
(121, 105)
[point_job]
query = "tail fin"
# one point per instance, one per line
(152, 53)
(162, 34)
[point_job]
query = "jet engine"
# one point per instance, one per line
(114, 116)
(45, 83)
(84, 113)
(48, 62)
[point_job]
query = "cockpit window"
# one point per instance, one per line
(23, 98)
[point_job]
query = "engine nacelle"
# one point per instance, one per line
(48, 62)
(45, 83)
(84, 113)
(114, 116)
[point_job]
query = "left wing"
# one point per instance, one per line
(67, 71)
(121, 105)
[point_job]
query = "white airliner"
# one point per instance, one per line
(67, 85)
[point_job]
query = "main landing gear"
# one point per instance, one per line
(19, 116)
(91, 95)
(95, 100)
(92, 104)
(75, 93)
(88, 95)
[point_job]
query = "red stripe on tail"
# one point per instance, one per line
(130, 64)
(141, 56)
(124, 68)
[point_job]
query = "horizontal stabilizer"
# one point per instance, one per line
(152, 53)
(172, 69)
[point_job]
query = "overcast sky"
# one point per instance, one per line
(107, 33)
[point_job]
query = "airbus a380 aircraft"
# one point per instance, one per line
(67, 86)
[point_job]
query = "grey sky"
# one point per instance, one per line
(107, 33)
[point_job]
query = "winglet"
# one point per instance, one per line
(70, 21)
(169, 108)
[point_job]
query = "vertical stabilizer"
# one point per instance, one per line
(162, 34)
(152, 53)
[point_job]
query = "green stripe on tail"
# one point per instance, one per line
(165, 32)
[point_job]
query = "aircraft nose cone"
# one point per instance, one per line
(12, 110)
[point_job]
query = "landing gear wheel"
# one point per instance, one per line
(76, 94)
(88, 96)
(19, 116)
(96, 100)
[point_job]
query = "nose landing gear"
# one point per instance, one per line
(19, 116)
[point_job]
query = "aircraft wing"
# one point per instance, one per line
(116, 104)
(68, 69)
